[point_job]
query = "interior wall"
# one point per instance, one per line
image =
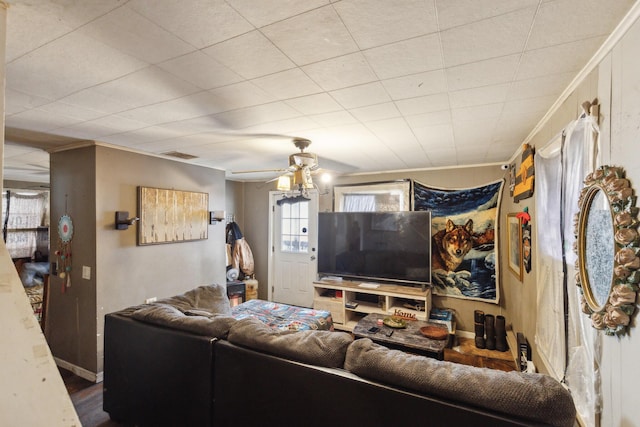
(71, 318)
(96, 181)
(616, 84)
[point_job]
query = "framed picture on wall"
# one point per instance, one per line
(171, 216)
(514, 242)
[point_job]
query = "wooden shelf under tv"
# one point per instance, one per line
(333, 295)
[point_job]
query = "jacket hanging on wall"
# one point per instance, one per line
(239, 253)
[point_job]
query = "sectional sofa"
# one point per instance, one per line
(186, 361)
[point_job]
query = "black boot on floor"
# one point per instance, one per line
(478, 318)
(501, 334)
(490, 331)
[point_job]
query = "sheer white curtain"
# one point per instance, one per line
(23, 214)
(559, 180)
(359, 203)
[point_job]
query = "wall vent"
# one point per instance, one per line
(180, 155)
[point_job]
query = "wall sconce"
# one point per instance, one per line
(123, 221)
(216, 216)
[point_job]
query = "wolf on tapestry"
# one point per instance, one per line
(463, 245)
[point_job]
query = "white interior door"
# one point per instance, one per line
(293, 241)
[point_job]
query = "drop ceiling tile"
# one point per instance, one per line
(478, 96)
(125, 30)
(552, 84)
(291, 127)
(454, 13)
(406, 57)
(429, 119)
(34, 24)
(252, 116)
(557, 59)
(423, 104)
(200, 70)
(491, 38)
(473, 133)
(375, 112)
(588, 18)
(483, 73)
(186, 107)
(314, 104)
(337, 118)
(84, 130)
(530, 105)
(416, 85)
(378, 23)
(39, 120)
(117, 124)
(250, 55)
(142, 136)
(74, 111)
(489, 112)
(55, 70)
(16, 102)
(96, 99)
(287, 84)
(434, 137)
(202, 24)
(312, 36)
(147, 86)
(267, 12)
(241, 95)
(361, 95)
(341, 72)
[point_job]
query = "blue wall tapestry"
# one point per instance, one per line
(463, 247)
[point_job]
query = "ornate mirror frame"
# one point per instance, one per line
(609, 304)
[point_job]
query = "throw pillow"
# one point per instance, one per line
(322, 348)
(216, 326)
(212, 298)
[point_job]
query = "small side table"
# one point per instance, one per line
(408, 339)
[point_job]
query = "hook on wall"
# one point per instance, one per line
(123, 221)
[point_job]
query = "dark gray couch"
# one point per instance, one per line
(177, 363)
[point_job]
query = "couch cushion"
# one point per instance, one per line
(533, 396)
(211, 298)
(211, 325)
(322, 348)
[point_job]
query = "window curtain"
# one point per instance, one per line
(359, 203)
(565, 339)
(22, 215)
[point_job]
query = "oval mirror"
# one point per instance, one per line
(607, 246)
(596, 248)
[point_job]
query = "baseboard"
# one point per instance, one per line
(81, 372)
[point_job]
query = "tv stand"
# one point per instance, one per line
(349, 301)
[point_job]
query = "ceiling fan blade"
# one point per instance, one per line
(260, 171)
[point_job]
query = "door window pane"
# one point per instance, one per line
(295, 227)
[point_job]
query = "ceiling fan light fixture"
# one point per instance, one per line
(302, 178)
(284, 183)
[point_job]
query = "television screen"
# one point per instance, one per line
(378, 246)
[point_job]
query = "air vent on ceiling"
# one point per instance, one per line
(180, 155)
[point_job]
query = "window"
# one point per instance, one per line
(25, 222)
(295, 227)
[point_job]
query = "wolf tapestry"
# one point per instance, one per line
(463, 246)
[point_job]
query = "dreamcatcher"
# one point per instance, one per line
(65, 234)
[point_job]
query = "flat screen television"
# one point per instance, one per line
(376, 246)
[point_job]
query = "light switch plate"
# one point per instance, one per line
(86, 272)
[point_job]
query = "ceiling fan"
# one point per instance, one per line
(301, 165)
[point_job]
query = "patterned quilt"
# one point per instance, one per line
(284, 317)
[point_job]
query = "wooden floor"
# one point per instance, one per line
(87, 399)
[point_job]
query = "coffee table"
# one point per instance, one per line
(408, 339)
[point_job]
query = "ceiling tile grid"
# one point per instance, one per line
(375, 85)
